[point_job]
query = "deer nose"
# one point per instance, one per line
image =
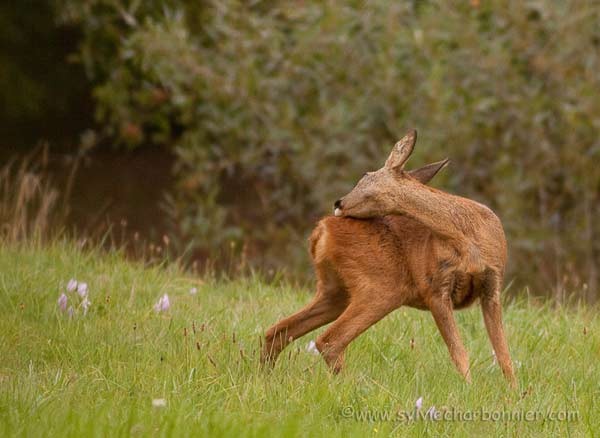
(337, 208)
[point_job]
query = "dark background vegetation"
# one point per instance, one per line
(232, 126)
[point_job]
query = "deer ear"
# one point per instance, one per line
(402, 151)
(425, 173)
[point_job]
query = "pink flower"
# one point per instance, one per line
(62, 302)
(71, 285)
(82, 290)
(312, 348)
(162, 304)
(419, 403)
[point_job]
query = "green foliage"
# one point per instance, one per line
(98, 374)
(275, 108)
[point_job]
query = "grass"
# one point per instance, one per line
(99, 374)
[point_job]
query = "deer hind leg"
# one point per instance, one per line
(443, 313)
(492, 316)
(357, 318)
(329, 302)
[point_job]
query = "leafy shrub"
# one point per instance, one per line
(275, 108)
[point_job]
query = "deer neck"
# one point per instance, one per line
(443, 213)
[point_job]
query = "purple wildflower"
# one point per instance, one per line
(163, 304)
(82, 290)
(419, 403)
(71, 285)
(62, 302)
(312, 348)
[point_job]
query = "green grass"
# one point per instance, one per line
(98, 374)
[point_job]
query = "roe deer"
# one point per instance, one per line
(395, 241)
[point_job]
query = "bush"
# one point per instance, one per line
(275, 108)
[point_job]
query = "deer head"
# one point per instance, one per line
(376, 192)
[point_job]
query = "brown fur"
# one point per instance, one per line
(399, 243)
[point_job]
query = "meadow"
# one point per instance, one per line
(189, 367)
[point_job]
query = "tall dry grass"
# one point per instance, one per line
(35, 206)
(31, 207)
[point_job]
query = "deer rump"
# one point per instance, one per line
(382, 253)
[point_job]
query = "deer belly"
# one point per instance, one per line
(463, 291)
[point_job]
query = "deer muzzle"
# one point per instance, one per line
(337, 208)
